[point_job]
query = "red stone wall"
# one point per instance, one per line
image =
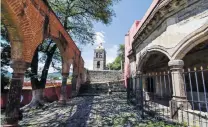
(26, 23)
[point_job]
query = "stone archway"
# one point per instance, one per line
(153, 64)
(146, 53)
(19, 28)
(191, 41)
(193, 51)
(186, 61)
(23, 35)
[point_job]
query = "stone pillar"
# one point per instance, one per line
(74, 80)
(78, 83)
(13, 103)
(63, 98)
(157, 86)
(179, 97)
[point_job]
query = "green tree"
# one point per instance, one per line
(116, 64)
(55, 78)
(77, 17)
(121, 54)
(5, 58)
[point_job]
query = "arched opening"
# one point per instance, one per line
(71, 73)
(196, 76)
(98, 64)
(17, 59)
(155, 62)
(197, 56)
(156, 78)
(100, 55)
(45, 71)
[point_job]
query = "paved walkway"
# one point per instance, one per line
(90, 111)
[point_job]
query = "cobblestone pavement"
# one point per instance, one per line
(90, 111)
(86, 111)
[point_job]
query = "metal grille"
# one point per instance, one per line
(155, 95)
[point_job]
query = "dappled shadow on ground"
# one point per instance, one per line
(88, 111)
(54, 114)
(112, 110)
(103, 110)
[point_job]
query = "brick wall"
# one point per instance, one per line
(32, 21)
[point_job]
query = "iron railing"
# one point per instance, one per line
(154, 94)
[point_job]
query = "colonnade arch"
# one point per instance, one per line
(154, 63)
(29, 22)
(189, 57)
(193, 51)
(146, 53)
(192, 40)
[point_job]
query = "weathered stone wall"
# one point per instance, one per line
(170, 34)
(104, 76)
(102, 88)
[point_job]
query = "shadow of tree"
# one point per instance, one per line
(88, 111)
(55, 114)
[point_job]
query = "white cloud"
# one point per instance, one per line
(88, 54)
(99, 37)
(89, 64)
(111, 53)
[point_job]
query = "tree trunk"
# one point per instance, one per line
(39, 86)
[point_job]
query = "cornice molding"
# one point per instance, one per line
(162, 11)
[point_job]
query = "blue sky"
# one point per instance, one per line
(127, 11)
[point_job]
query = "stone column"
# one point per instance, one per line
(13, 103)
(63, 98)
(157, 86)
(78, 83)
(74, 80)
(179, 97)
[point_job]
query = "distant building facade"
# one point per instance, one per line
(99, 60)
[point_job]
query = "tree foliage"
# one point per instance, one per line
(78, 16)
(5, 57)
(121, 52)
(116, 64)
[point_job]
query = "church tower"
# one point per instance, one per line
(99, 61)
